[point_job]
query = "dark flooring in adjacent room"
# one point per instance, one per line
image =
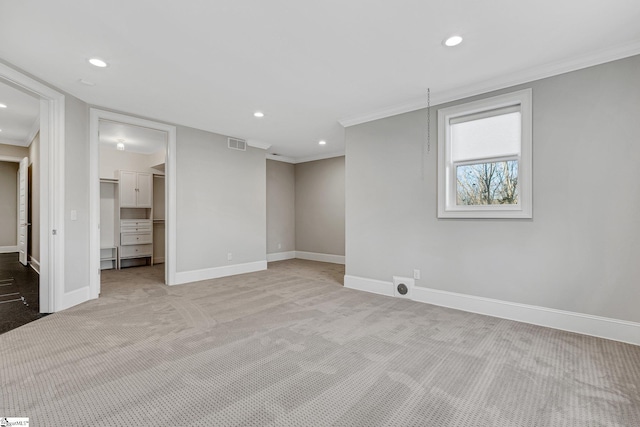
(19, 293)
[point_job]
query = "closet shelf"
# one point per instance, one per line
(109, 180)
(158, 221)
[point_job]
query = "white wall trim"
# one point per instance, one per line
(9, 141)
(586, 324)
(296, 160)
(313, 256)
(283, 159)
(320, 157)
(8, 249)
(35, 264)
(11, 159)
(52, 181)
(281, 256)
(95, 115)
(501, 82)
(217, 272)
(35, 128)
(158, 260)
(369, 285)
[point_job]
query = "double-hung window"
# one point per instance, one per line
(484, 158)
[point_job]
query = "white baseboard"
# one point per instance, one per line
(8, 249)
(597, 326)
(216, 272)
(281, 256)
(369, 285)
(313, 256)
(35, 264)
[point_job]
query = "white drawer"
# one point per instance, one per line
(135, 223)
(136, 250)
(136, 229)
(135, 238)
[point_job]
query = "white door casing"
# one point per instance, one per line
(52, 144)
(95, 115)
(23, 210)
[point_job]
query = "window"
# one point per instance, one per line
(484, 158)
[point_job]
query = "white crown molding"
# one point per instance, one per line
(35, 128)
(284, 159)
(587, 324)
(296, 160)
(258, 144)
(14, 142)
(320, 157)
(524, 76)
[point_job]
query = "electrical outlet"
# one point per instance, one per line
(229, 256)
(416, 274)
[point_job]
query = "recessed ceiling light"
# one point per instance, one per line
(322, 142)
(0, 130)
(97, 62)
(3, 106)
(258, 114)
(120, 146)
(452, 41)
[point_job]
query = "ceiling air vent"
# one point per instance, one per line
(237, 144)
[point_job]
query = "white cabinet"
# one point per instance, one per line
(136, 226)
(136, 239)
(136, 189)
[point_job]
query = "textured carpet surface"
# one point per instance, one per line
(291, 347)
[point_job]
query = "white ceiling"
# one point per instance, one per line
(21, 119)
(306, 64)
(136, 139)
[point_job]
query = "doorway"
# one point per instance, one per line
(19, 206)
(132, 195)
(133, 223)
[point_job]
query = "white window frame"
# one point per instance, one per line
(447, 193)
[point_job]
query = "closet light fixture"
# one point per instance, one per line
(452, 41)
(97, 62)
(120, 145)
(3, 106)
(322, 142)
(258, 114)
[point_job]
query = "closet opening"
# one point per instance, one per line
(132, 163)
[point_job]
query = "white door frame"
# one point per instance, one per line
(95, 115)
(13, 248)
(52, 121)
(23, 211)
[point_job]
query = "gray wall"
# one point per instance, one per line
(320, 206)
(34, 201)
(580, 251)
(281, 212)
(8, 203)
(221, 196)
(76, 194)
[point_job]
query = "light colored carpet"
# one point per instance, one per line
(292, 347)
